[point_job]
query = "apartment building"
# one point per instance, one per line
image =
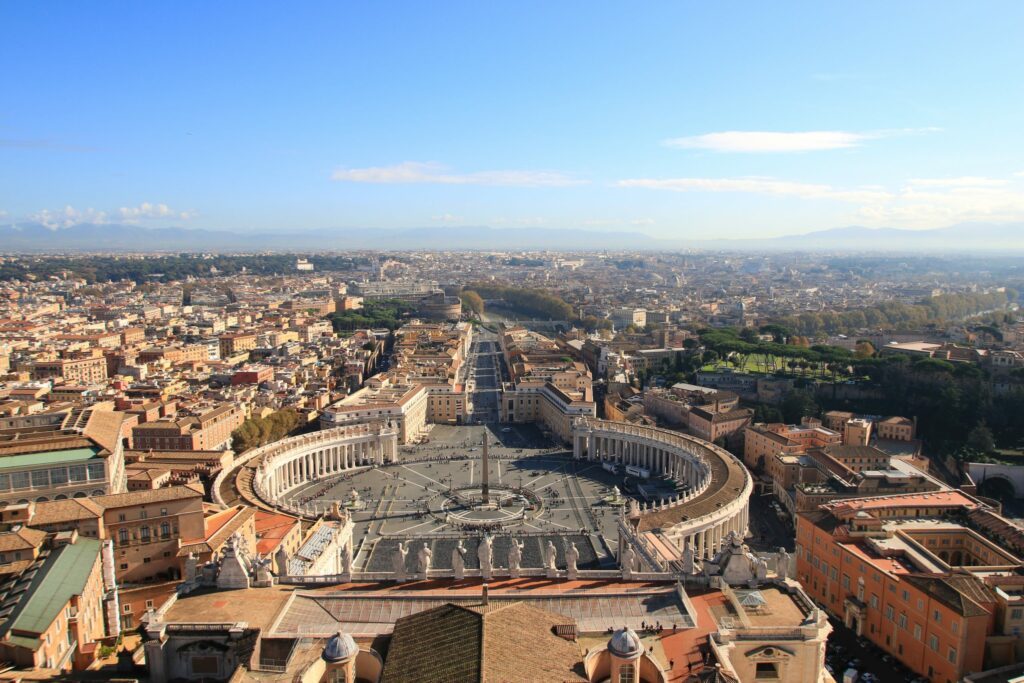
(207, 430)
(62, 454)
(381, 400)
(918, 575)
(53, 612)
(236, 343)
(146, 527)
(761, 441)
(90, 369)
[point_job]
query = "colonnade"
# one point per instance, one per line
(293, 462)
(710, 473)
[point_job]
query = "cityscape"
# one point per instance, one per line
(406, 343)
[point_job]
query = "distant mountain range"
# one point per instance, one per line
(33, 237)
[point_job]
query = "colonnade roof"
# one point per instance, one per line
(728, 480)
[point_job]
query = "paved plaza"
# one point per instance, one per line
(541, 494)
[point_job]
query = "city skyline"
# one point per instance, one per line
(675, 122)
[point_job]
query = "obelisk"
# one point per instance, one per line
(485, 489)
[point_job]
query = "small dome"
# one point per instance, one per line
(625, 643)
(340, 647)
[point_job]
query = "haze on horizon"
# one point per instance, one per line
(680, 121)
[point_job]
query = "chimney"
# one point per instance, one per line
(483, 596)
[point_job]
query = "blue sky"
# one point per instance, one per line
(673, 119)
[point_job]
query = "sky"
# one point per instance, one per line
(677, 120)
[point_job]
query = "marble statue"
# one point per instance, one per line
(281, 561)
(345, 559)
(515, 557)
(782, 564)
(550, 555)
(627, 560)
(398, 562)
(459, 561)
(483, 553)
(423, 560)
(571, 557)
(615, 492)
(262, 569)
(689, 567)
(760, 569)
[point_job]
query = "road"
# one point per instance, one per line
(483, 378)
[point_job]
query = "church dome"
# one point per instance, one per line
(340, 647)
(625, 643)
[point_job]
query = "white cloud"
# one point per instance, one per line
(66, 217)
(145, 210)
(767, 186)
(919, 203)
(963, 181)
(446, 218)
(409, 172)
(936, 206)
(775, 141)
(69, 215)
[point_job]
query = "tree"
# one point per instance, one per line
(749, 334)
(798, 404)
(981, 439)
(864, 349)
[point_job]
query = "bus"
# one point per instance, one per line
(610, 467)
(639, 472)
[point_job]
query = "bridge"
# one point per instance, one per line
(997, 480)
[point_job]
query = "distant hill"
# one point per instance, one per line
(32, 237)
(972, 237)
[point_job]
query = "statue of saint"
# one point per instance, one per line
(398, 562)
(515, 557)
(549, 556)
(572, 555)
(423, 560)
(483, 553)
(459, 560)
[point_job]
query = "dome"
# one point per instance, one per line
(625, 643)
(340, 647)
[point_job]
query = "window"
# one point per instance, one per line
(951, 656)
(40, 479)
(874, 601)
(59, 475)
(889, 613)
(906, 596)
(903, 621)
(163, 512)
(77, 472)
(165, 530)
(766, 671)
(127, 609)
(933, 643)
(937, 616)
(846, 581)
(149, 604)
(143, 514)
(144, 532)
(917, 631)
(1016, 613)
(956, 627)
(121, 517)
(19, 480)
(96, 471)
(122, 536)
